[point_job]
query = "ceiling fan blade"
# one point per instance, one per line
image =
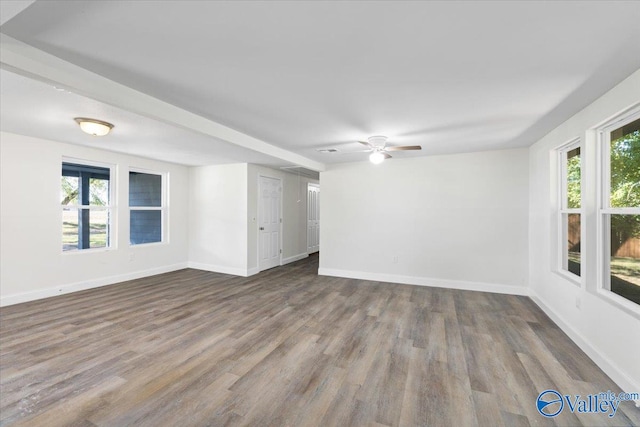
(404, 148)
(366, 143)
(386, 155)
(353, 152)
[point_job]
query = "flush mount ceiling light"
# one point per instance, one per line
(94, 127)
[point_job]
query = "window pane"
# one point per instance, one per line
(572, 227)
(573, 178)
(145, 189)
(98, 223)
(625, 256)
(86, 186)
(146, 227)
(98, 192)
(625, 166)
(69, 229)
(69, 190)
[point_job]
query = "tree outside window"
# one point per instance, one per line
(622, 215)
(570, 225)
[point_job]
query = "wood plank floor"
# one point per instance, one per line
(287, 348)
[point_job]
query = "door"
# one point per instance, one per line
(269, 222)
(313, 218)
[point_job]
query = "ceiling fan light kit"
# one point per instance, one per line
(379, 150)
(376, 157)
(377, 146)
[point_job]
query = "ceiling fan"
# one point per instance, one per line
(379, 150)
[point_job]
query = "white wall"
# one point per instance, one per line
(294, 214)
(33, 265)
(608, 334)
(457, 221)
(217, 218)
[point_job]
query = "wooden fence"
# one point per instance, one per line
(629, 248)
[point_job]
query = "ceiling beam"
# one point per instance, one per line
(25, 59)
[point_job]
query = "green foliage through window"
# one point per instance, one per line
(625, 170)
(625, 182)
(573, 178)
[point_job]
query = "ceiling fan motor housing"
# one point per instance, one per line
(377, 141)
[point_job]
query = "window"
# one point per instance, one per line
(570, 205)
(620, 208)
(85, 195)
(146, 207)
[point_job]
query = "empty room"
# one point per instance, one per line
(319, 213)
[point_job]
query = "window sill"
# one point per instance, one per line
(620, 302)
(146, 245)
(572, 278)
(87, 251)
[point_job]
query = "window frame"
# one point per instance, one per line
(561, 266)
(164, 229)
(604, 209)
(111, 208)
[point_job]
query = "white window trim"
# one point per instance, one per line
(562, 210)
(111, 208)
(604, 210)
(164, 201)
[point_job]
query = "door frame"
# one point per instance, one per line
(260, 176)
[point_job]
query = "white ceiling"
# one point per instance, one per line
(31, 107)
(450, 76)
(10, 8)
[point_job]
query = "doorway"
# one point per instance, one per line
(269, 222)
(313, 218)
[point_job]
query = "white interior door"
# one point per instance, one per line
(313, 218)
(269, 222)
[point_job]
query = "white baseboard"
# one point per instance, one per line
(295, 258)
(426, 281)
(87, 284)
(617, 375)
(235, 271)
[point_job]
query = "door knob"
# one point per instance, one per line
(261, 228)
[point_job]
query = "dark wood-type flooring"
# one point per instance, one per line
(287, 348)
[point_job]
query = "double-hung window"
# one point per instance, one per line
(146, 207)
(570, 205)
(85, 195)
(620, 208)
